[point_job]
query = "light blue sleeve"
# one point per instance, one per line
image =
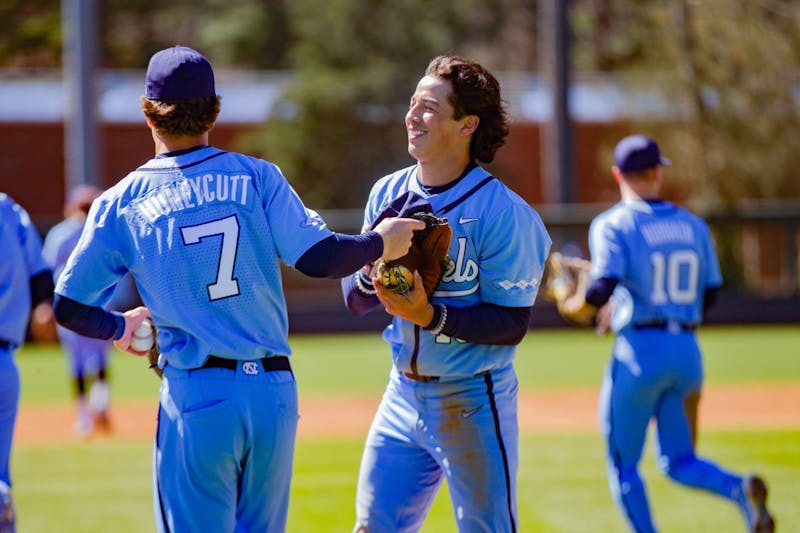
(295, 228)
(31, 242)
(606, 248)
(713, 273)
(98, 261)
(514, 248)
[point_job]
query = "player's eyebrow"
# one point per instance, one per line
(430, 101)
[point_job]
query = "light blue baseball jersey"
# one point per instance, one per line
(497, 255)
(203, 234)
(20, 259)
(59, 243)
(664, 258)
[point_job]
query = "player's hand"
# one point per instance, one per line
(603, 320)
(133, 319)
(412, 305)
(397, 233)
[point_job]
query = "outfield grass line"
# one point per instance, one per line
(574, 409)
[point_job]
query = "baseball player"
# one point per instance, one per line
(203, 232)
(450, 407)
(656, 264)
(87, 357)
(25, 281)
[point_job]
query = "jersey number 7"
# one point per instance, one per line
(225, 285)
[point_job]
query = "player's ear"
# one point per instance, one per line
(615, 171)
(469, 124)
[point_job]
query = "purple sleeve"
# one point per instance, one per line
(359, 300)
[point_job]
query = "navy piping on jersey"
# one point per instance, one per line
(487, 378)
(436, 189)
(188, 165)
(416, 351)
(449, 206)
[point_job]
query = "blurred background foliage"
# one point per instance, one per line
(732, 65)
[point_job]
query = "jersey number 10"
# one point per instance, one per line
(675, 277)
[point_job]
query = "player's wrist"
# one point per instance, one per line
(438, 318)
(364, 284)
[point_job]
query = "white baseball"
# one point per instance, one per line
(142, 339)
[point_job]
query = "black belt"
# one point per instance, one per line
(270, 364)
(421, 379)
(5, 345)
(664, 325)
(431, 379)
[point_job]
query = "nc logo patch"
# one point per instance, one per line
(250, 368)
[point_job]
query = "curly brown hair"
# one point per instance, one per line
(179, 118)
(475, 92)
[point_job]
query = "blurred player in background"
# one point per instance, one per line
(203, 232)
(450, 408)
(25, 281)
(87, 357)
(655, 262)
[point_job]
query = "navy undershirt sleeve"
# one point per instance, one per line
(340, 255)
(42, 287)
(710, 298)
(88, 320)
(485, 323)
(600, 291)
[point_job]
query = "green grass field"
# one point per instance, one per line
(104, 485)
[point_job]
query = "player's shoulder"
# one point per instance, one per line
(394, 184)
(8, 203)
(10, 209)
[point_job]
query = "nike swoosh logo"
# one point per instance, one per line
(466, 413)
(465, 220)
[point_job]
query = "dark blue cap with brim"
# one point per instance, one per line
(179, 73)
(637, 152)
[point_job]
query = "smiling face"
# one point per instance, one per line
(433, 134)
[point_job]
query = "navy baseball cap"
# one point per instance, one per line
(179, 73)
(637, 152)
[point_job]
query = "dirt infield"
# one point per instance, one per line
(557, 410)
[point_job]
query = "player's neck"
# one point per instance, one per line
(440, 172)
(164, 144)
(639, 190)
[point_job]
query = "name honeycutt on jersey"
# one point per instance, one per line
(192, 192)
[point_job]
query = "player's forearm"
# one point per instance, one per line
(599, 292)
(484, 323)
(87, 320)
(340, 255)
(41, 287)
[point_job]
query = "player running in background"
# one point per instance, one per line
(450, 408)
(656, 264)
(87, 357)
(25, 281)
(203, 232)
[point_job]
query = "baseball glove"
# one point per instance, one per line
(154, 353)
(428, 255)
(567, 277)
